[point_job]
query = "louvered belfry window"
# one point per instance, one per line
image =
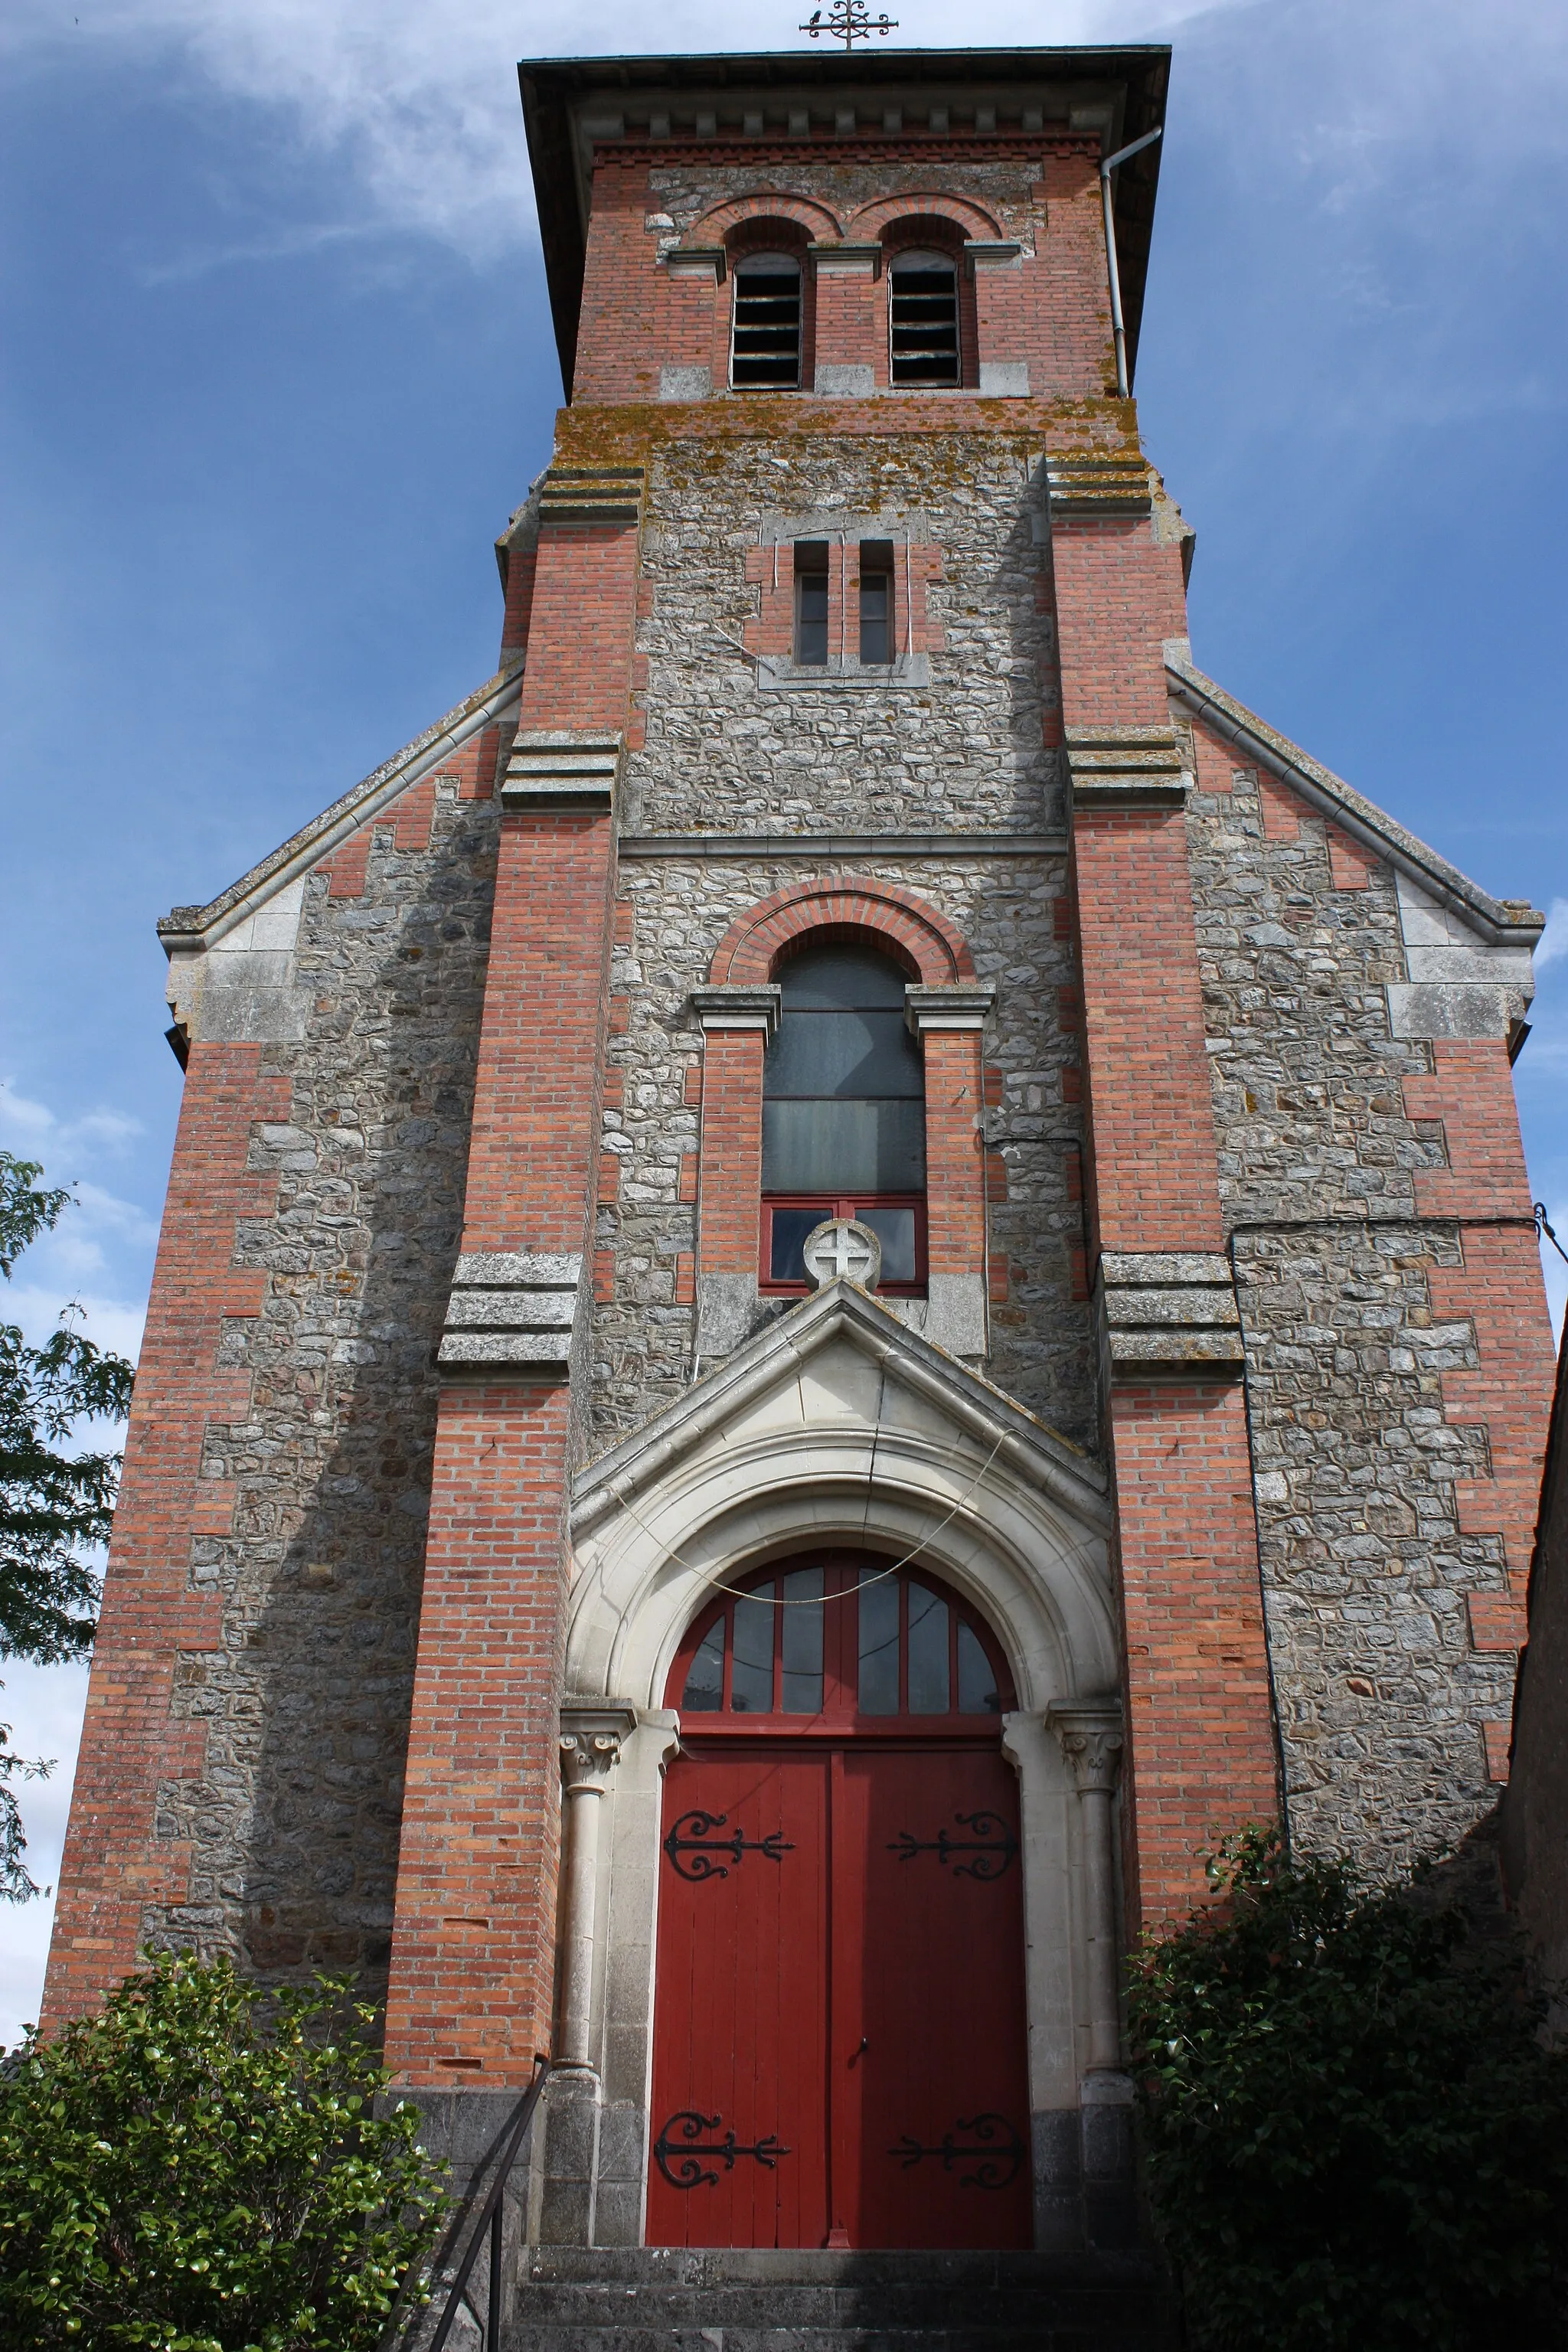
(766, 347)
(922, 309)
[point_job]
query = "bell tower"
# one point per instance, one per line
(848, 1266)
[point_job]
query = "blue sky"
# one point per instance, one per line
(278, 366)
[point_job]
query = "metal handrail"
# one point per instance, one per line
(490, 2218)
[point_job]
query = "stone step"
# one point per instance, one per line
(660, 2266)
(1110, 2326)
(800, 2304)
(658, 2299)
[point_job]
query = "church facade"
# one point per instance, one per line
(846, 1269)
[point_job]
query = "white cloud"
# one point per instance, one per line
(420, 96)
(32, 1130)
(43, 1706)
(98, 1252)
(1554, 938)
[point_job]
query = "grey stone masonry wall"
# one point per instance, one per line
(1007, 909)
(293, 1825)
(965, 752)
(687, 191)
(961, 754)
(1380, 1697)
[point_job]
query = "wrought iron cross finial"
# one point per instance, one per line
(847, 21)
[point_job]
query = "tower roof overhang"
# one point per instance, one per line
(571, 105)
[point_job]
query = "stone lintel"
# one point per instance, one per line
(519, 1269)
(699, 261)
(585, 1716)
(512, 1311)
(1099, 483)
(1125, 765)
(845, 260)
(1114, 766)
(544, 1353)
(677, 384)
(525, 1310)
(1127, 792)
(777, 673)
(592, 494)
(992, 252)
(1171, 1308)
(1132, 1352)
(552, 766)
(962, 1007)
(1176, 1307)
(1162, 1267)
(721, 1004)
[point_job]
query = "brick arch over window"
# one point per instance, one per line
(930, 206)
(737, 1022)
(717, 226)
(900, 923)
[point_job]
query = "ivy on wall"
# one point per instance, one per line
(201, 2169)
(1353, 2133)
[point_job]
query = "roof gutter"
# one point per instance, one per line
(1118, 323)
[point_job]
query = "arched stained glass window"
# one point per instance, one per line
(844, 1114)
(843, 1635)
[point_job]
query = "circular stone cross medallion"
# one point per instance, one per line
(842, 1249)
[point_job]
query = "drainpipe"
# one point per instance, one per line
(1118, 325)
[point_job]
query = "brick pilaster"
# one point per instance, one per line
(955, 1161)
(135, 1747)
(1498, 1289)
(1196, 1678)
(472, 1958)
(732, 1169)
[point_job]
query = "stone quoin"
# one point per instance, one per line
(536, 1587)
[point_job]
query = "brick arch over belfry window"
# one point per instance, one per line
(901, 924)
(931, 207)
(738, 212)
(739, 1009)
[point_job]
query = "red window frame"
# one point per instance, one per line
(840, 1205)
(842, 1573)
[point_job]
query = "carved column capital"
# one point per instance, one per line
(1092, 1739)
(591, 1746)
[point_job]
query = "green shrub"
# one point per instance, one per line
(1354, 2135)
(200, 2168)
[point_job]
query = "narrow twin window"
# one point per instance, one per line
(811, 603)
(875, 642)
(922, 310)
(765, 350)
(876, 599)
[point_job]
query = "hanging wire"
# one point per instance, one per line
(861, 1584)
(1544, 1226)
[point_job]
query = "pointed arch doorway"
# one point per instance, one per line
(840, 2023)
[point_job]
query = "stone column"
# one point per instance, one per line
(590, 1750)
(1091, 1734)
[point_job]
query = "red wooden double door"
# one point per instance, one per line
(839, 2044)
